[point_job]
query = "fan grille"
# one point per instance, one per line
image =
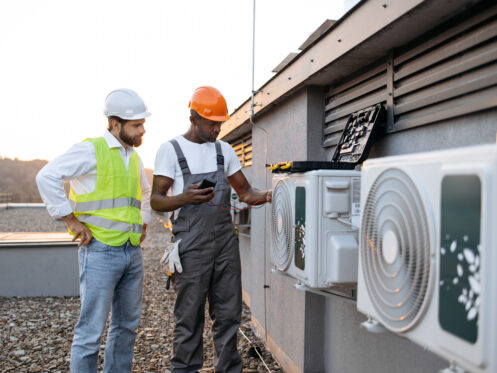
(281, 228)
(395, 250)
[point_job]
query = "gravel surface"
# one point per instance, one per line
(29, 220)
(36, 333)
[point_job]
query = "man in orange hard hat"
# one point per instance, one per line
(205, 260)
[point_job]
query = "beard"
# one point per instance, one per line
(207, 137)
(135, 141)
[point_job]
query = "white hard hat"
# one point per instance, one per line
(125, 104)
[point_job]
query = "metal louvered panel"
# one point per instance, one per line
(447, 50)
(441, 37)
(458, 76)
(341, 101)
(350, 107)
(472, 103)
(243, 149)
(457, 86)
(458, 65)
(450, 72)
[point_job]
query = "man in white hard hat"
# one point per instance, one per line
(108, 210)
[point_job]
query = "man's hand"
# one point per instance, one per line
(195, 196)
(171, 256)
(160, 201)
(144, 233)
(269, 196)
(79, 229)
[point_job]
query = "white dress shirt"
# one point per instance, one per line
(79, 166)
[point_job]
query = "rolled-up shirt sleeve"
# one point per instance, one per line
(77, 161)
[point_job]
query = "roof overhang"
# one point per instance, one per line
(365, 34)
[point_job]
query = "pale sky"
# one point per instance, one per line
(60, 59)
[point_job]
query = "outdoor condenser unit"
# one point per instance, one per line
(313, 236)
(428, 251)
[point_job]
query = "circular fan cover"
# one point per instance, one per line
(281, 227)
(395, 250)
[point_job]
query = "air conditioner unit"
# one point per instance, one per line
(428, 251)
(313, 235)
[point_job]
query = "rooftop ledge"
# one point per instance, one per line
(35, 239)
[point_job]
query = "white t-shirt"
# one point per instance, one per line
(201, 158)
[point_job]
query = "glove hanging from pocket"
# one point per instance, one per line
(171, 256)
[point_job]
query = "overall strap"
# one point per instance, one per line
(181, 158)
(220, 157)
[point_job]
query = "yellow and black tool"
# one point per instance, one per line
(279, 167)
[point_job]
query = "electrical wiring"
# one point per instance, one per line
(255, 349)
(232, 208)
(355, 227)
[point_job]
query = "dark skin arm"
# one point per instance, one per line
(160, 201)
(248, 194)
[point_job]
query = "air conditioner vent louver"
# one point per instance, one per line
(396, 250)
(281, 226)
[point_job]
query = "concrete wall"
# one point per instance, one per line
(39, 271)
(245, 252)
(277, 308)
(350, 348)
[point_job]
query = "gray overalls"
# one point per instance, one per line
(211, 269)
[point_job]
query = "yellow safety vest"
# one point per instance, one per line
(112, 210)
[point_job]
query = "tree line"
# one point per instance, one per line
(18, 178)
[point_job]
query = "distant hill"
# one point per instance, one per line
(18, 179)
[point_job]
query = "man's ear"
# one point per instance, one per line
(114, 124)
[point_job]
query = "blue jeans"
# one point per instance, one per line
(110, 278)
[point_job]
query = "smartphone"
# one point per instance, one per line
(207, 182)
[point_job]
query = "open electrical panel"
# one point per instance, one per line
(352, 149)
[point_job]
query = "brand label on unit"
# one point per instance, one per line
(300, 227)
(356, 196)
(459, 288)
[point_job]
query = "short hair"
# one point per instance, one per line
(194, 114)
(113, 117)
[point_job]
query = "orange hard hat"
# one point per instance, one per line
(209, 103)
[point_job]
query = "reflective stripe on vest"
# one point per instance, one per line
(105, 204)
(110, 224)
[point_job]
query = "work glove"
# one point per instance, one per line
(171, 256)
